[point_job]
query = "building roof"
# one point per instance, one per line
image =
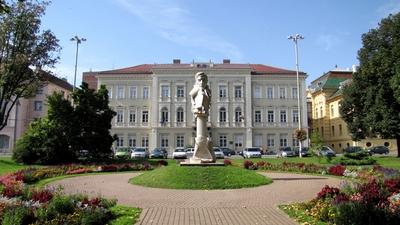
(256, 69)
(57, 81)
(330, 81)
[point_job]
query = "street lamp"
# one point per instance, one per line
(295, 38)
(78, 41)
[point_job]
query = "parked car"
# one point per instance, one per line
(253, 152)
(179, 153)
(227, 151)
(189, 152)
(218, 153)
(271, 152)
(378, 150)
(304, 151)
(159, 153)
(326, 151)
(287, 152)
(123, 153)
(139, 153)
(353, 149)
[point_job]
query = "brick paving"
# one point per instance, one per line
(247, 206)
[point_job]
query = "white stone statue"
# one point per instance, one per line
(201, 101)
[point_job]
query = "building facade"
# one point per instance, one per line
(251, 105)
(28, 109)
(326, 94)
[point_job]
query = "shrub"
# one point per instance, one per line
(227, 162)
(337, 170)
(247, 164)
(357, 155)
(59, 205)
(328, 192)
(107, 168)
(95, 216)
(41, 196)
(18, 215)
(162, 163)
(79, 171)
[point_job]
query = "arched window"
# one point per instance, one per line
(179, 115)
(238, 115)
(164, 115)
(222, 114)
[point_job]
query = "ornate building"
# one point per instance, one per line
(252, 104)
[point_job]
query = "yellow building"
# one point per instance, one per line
(326, 94)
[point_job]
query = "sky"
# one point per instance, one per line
(124, 33)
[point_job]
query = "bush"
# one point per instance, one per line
(95, 216)
(337, 170)
(41, 196)
(357, 155)
(227, 162)
(60, 205)
(355, 162)
(18, 215)
(247, 164)
(162, 163)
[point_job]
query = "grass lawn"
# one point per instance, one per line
(7, 165)
(125, 215)
(182, 177)
(273, 160)
(388, 161)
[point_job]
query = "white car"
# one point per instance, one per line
(219, 154)
(179, 153)
(139, 153)
(189, 152)
(253, 152)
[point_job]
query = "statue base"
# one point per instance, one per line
(200, 162)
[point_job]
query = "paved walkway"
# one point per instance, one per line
(247, 206)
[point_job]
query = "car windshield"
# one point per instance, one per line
(140, 150)
(179, 150)
(123, 150)
(217, 150)
(253, 150)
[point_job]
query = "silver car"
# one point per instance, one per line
(139, 153)
(189, 152)
(253, 152)
(179, 153)
(219, 154)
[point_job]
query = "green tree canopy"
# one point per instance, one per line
(371, 103)
(25, 51)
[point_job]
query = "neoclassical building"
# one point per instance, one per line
(252, 104)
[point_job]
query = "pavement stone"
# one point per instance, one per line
(246, 206)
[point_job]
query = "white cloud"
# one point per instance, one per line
(327, 41)
(391, 7)
(175, 24)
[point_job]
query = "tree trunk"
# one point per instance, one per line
(398, 145)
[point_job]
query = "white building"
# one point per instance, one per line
(252, 104)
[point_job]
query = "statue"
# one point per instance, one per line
(201, 101)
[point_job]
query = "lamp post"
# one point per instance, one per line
(78, 41)
(295, 38)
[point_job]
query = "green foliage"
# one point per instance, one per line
(17, 215)
(95, 216)
(25, 51)
(125, 215)
(371, 102)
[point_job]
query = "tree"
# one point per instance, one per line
(25, 52)
(93, 119)
(371, 102)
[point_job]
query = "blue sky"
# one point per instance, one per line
(122, 33)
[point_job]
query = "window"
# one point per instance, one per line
(321, 112)
(332, 111)
(270, 92)
(258, 140)
(257, 92)
(145, 116)
(222, 115)
(238, 115)
(222, 141)
(120, 92)
(165, 91)
(179, 115)
(270, 116)
(295, 142)
(222, 91)
(283, 140)
(120, 140)
(283, 116)
(295, 116)
(164, 140)
(132, 141)
(120, 116)
(270, 140)
(145, 92)
(132, 116)
(39, 91)
(238, 91)
(38, 105)
(180, 91)
(333, 130)
(282, 93)
(316, 112)
(145, 141)
(132, 92)
(109, 90)
(4, 142)
(239, 141)
(340, 129)
(180, 140)
(257, 116)
(294, 93)
(164, 115)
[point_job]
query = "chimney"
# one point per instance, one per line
(176, 61)
(226, 61)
